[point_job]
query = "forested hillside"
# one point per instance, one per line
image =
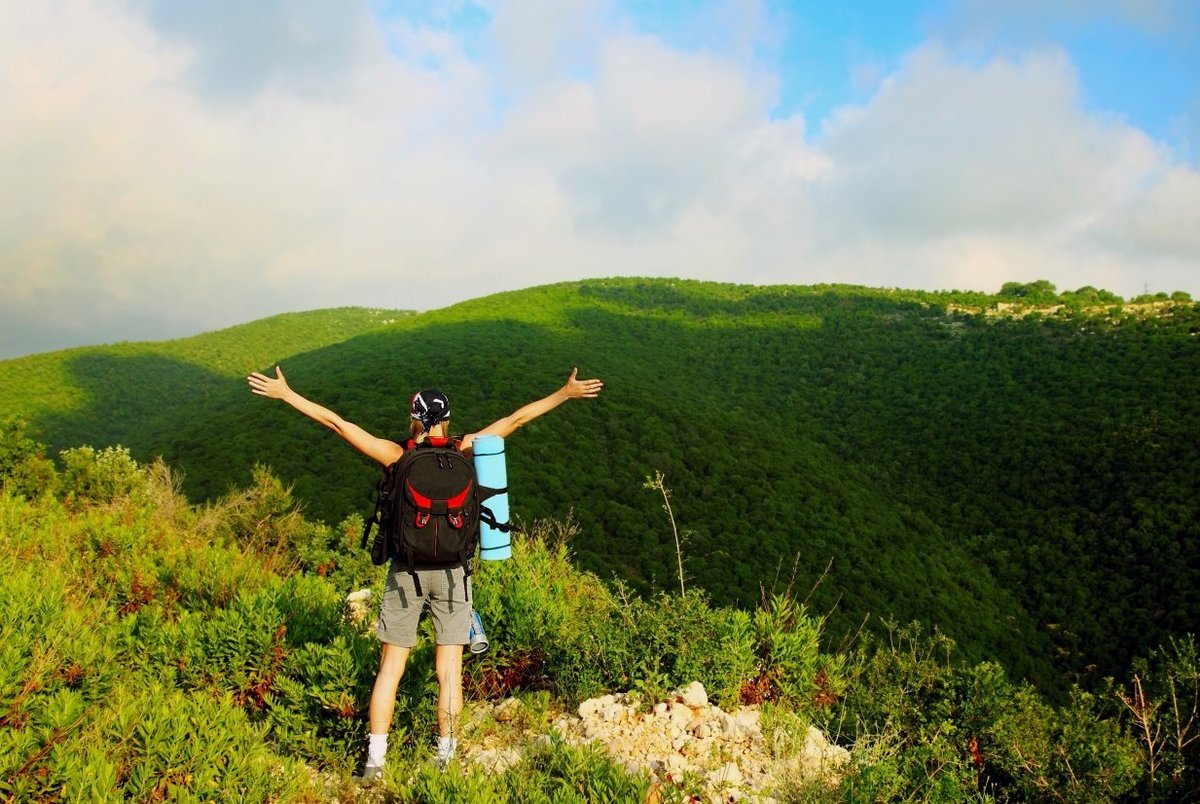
(134, 393)
(1016, 469)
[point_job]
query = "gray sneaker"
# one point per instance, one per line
(371, 772)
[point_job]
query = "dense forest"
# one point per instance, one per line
(1016, 469)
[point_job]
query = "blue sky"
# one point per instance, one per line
(1134, 59)
(188, 166)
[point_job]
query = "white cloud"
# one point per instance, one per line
(152, 205)
(535, 38)
(238, 49)
(953, 166)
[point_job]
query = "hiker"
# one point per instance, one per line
(447, 590)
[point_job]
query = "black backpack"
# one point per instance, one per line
(428, 509)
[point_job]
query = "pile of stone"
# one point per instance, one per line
(679, 741)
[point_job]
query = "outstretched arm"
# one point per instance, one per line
(574, 388)
(379, 449)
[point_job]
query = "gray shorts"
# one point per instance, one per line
(447, 592)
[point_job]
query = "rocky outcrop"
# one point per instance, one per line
(680, 740)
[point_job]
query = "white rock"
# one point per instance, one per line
(593, 705)
(694, 695)
(728, 775)
(748, 721)
(498, 760)
(507, 709)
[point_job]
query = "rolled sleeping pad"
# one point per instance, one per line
(491, 473)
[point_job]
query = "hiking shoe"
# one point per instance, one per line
(371, 773)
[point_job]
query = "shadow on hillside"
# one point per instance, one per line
(883, 441)
(131, 400)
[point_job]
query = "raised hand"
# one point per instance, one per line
(581, 389)
(274, 387)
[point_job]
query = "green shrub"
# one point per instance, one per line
(922, 724)
(791, 667)
(102, 477)
(1162, 704)
(147, 742)
(84, 715)
(317, 707)
(336, 554)
(263, 518)
(1076, 753)
(24, 467)
(552, 773)
(551, 624)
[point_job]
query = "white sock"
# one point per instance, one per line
(446, 747)
(376, 749)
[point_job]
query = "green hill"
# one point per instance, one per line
(1024, 482)
(133, 393)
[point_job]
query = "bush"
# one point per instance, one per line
(1162, 702)
(552, 626)
(791, 667)
(1076, 753)
(553, 773)
(152, 650)
(84, 714)
(99, 477)
(24, 468)
(922, 724)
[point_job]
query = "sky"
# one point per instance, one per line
(175, 167)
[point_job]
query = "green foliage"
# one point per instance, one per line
(1039, 292)
(552, 773)
(1077, 753)
(24, 468)
(130, 623)
(1162, 702)
(791, 666)
(84, 714)
(99, 475)
(1010, 473)
(953, 733)
(553, 625)
(159, 658)
(1088, 296)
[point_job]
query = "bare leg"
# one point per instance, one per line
(448, 662)
(392, 659)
